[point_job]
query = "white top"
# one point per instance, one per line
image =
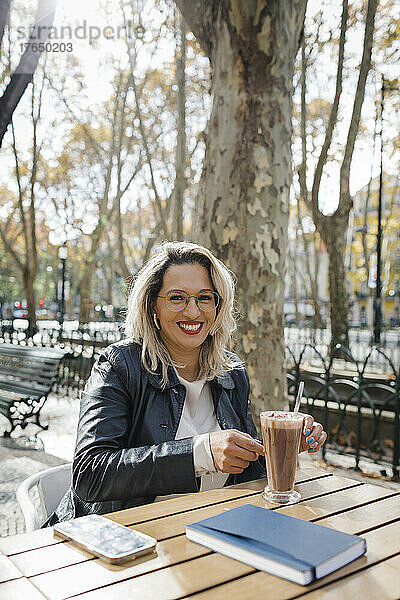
(198, 419)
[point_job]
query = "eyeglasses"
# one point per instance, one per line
(177, 300)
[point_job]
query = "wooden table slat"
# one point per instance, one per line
(26, 541)
(326, 506)
(339, 499)
(18, 589)
(8, 570)
(49, 558)
(380, 582)
(139, 514)
(82, 577)
(372, 515)
(166, 584)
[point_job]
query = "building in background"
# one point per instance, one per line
(361, 256)
(307, 255)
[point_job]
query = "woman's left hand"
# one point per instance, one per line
(313, 435)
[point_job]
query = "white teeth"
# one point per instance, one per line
(190, 327)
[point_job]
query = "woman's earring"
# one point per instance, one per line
(156, 322)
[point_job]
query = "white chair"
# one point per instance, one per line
(52, 485)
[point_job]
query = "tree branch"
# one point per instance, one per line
(303, 136)
(180, 158)
(121, 133)
(345, 199)
(198, 14)
(20, 191)
(131, 178)
(35, 157)
(148, 156)
(332, 117)
(27, 65)
(11, 250)
(4, 12)
(365, 211)
(96, 147)
(104, 201)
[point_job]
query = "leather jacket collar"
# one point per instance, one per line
(224, 379)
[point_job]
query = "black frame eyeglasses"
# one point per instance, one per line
(168, 299)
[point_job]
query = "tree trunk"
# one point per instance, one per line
(28, 277)
(85, 303)
(293, 260)
(126, 274)
(108, 270)
(313, 278)
(317, 319)
(243, 204)
(335, 246)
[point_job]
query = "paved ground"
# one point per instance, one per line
(18, 462)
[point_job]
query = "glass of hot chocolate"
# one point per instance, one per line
(281, 433)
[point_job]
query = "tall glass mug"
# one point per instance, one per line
(281, 433)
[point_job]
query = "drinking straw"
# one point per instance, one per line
(298, 397)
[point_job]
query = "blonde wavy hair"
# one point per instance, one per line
(139, 323)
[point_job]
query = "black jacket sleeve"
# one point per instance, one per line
(256, 469)
(105, 467)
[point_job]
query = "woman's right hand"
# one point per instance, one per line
(232, 450)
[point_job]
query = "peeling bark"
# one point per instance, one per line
(243, 203)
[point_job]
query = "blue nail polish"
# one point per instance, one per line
(307, 432)
(310, 450)
(310, 440)
(315, 444)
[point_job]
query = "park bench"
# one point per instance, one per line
(361, 413)
(27, 375)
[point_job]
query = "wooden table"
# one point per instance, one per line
(37, 566)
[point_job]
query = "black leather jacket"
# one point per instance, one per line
(125, 453)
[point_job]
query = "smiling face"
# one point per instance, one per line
(184, 332)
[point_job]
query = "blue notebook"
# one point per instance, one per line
(271, 541)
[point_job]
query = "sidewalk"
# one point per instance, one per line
(62, 412)
(17, 463)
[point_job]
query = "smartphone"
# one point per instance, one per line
(104, 538)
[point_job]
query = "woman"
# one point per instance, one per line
(166, 410)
